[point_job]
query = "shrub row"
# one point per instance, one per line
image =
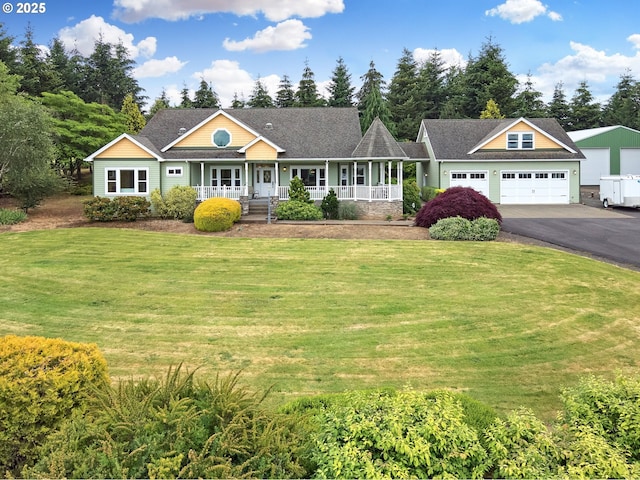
(458, 228)
(216, 214)
(129, 209)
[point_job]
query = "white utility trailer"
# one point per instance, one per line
(620, 191)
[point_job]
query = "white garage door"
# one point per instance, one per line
(534, 187)
(630, 161)
(595, 166)
(478, 180)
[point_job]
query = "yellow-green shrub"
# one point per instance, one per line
(217, 214)
(41, 382)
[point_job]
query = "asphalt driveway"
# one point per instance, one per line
(611, 234)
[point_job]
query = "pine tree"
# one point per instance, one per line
(492, 110)
(340, 89)
(185, 98)
(584, 111)
(402, 96)
(260, 97)
(371, 101)
(307, 94)
(134, 119)
(528, 103)
(237, 103)
(160, 103)
(7, 52)
(37, 76)
(205, 97)
(285, 96)
(558, 107)
(430, 88)
(623, 108)
(454, 99)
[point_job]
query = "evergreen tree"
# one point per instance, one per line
(160, 103)
(402, 97)
(454, 99)
(492, 110)
(185, 98)
(584, 111)
(285, 96)
(430, 88)
(371, 101)
(205, 97)
(9, 82)
(134, 119)
(488, 77)
(528, 103)
(340, 89)
(558, 108)
(7, 52)
(307, 94)
(237, 102)
(623, 108)
(260, 97)
(37, 76)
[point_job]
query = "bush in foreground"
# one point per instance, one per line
(457, 228)
(216, 214)
(297, 210)
(179, 203)
(42, 381)
(462, 202)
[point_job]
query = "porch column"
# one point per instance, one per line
(326, 176)
(400, 178)
(389, 180)
(355, 180)
(202, 194)
(246, 178)
(370, 180)
(276, 193)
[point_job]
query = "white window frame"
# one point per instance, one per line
(117, 181)
(519, 139)
(321, 173)
(213, 141)
(236, 176)
(175, 171)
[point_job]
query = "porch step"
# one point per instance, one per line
(258, 212)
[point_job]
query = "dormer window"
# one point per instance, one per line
(520, 141)
(221, 138)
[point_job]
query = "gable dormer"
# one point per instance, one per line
(519, 135)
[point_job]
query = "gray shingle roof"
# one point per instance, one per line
(378, 142)
(454, 139)
(301, 132)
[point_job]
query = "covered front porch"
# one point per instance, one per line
(370, 181)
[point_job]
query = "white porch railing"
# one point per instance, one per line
(351, 192)
(235, 193)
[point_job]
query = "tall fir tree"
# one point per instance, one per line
(7, 51)
(285, 96)
(403, 97)
(430, 89)
(238, 102)
(528, 102)
(453, 105)
(160, 103)
(340, 88)
(185, 97)
(37, 74)
(307, 94)
(205, 97)
(371, 100)
(260, 97)
(487, 76)
(558, 107)
(623, 107)
(584, 111)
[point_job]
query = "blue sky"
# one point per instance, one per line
(231, 43)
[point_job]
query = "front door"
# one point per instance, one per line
(265, 182)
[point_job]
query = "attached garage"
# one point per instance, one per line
(534, 187)
(478, 180)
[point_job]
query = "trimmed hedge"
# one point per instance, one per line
(129, 209)
(462, 202)
(457, 228)
(216, 214)
(297, 210)
(42, 381)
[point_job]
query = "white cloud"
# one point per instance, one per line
(522, 11)
(227, 79)
(288, 35)
(158, 68)
(450, 56)
(274, 10)
(600, 70)
(83, 36)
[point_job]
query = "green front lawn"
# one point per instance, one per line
(509, 324)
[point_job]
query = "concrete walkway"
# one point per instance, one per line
(558, 211)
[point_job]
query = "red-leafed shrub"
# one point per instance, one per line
(462, 202)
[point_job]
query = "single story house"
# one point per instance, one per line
(608, 151)
(251, 155)
(510, 161)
